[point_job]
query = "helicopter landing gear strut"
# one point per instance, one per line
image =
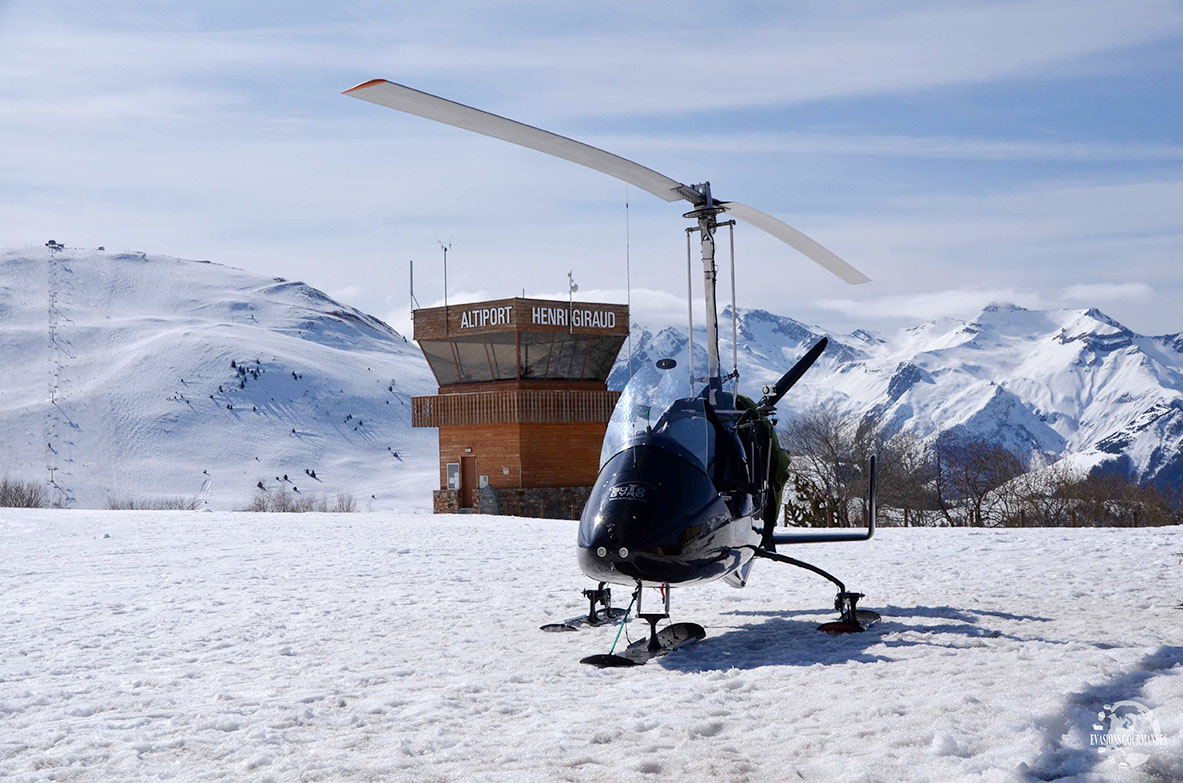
(851, 619)
(658, 644)
(653, 617)
(600, 595)
(605, 615)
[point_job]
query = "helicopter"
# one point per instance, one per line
(691, 472)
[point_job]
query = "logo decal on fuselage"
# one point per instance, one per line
(631, 490)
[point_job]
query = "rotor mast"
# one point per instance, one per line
(707, 217)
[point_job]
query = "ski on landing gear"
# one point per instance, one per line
(853, 620)
(605, 614)
(658, 644)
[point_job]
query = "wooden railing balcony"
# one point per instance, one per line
(506, 406)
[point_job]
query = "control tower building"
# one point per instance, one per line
(523, 401)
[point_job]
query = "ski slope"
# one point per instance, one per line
(362, 647)
(149, 377)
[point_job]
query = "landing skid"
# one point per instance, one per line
(864, 619)
(658, 643)
(851, 619)
(602, 617)
(606, 614)
(642, 651)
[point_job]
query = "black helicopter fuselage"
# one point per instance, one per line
(689, 498)
(656, 516)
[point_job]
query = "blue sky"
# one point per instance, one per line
(956, 153)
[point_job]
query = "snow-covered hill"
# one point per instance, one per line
(1045, 384)
(118, 373)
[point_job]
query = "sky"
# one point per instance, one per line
(959, 154)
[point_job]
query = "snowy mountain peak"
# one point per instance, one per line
(1004, 307)
(1097, 315)
(1072, 384)
(862, 335)
(1172, 341)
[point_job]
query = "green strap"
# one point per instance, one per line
(623, 620)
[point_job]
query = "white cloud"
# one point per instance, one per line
(1054, 244)
(774, 56)
(1093, 293)
(215, 131)
(532, 59)
(966, 303)
(927, 305)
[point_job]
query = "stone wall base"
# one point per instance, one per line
(543, 502)
(445, 501)
(536, 502)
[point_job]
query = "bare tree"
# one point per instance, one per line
(828, 478)
(966, 474)
(1119, 501)
(16, 493)
(825, 448)
(1038, 498)
(906, 475)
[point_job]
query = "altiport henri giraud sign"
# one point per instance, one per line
(521, 315)
(589, 317)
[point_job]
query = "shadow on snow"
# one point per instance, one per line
(782, 640)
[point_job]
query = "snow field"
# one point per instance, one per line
(405, 647)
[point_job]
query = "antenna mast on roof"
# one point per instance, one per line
(446, 248)
(572, 287)
(414, 302)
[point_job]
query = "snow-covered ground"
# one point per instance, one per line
(198, 646)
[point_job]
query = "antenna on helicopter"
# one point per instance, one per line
(705, 212)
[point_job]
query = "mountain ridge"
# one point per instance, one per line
(1048, 385)
(120, 380)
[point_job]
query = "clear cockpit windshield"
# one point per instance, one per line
(660, 407)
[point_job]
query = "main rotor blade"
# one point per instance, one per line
(807, 247)
(432, 107)
(396, 96)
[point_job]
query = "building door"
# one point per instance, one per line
(467, 482)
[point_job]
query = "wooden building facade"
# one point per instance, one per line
(523, 400)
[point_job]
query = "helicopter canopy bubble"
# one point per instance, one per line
(660, 407)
